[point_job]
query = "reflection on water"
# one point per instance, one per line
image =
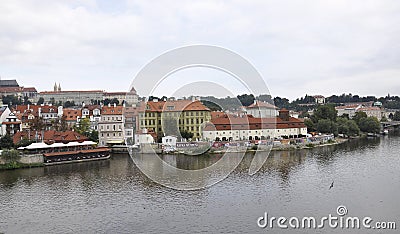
(114, 196)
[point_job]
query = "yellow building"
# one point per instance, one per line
(169, 117)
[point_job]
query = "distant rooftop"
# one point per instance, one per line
(9, 83)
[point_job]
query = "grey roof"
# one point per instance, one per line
(9, 83)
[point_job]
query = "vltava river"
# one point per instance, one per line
(115, 197)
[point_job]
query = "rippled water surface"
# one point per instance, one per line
(115, 197)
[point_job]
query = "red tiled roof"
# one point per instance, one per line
(111, 110)
(92, 107)
(169, 106)
(369, 109)
(30, 89)
(259, 104)
(217, 114)
(55, 136)
(17, 89)
(248, 122)
(71, 114)
(72, 91)
(35, 109)
(114, 93)
(347, 107)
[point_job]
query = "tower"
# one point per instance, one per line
(59, 87)
(55, 87)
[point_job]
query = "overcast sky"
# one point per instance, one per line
(299, 47)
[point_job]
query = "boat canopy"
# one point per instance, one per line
(42, 145)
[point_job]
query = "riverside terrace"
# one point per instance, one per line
(58, 153)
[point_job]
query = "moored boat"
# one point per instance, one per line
(71, 152)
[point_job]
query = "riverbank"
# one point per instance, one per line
(18, 165)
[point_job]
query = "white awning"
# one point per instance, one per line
(42, 145)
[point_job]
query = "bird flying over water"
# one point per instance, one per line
(331, 185)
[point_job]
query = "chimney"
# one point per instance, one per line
(155, 99)
(284, 114)
(115, 105)
(255, 102)
(109, 104)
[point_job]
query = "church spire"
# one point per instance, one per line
(59, 87)
(55, 86)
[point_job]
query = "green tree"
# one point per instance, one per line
(310, 125)
(26, 100)
(83, 127)
(37, 124)
(358, 116)
(10, 156)
(24, 142)
(327, 126)
(384, 119)
(40, 101)
(246, 99)
(11, 100)
(325, 112)
(396, 116)
(211, 105)
(354, 130)
(343, 126)
(69, 104)
(186, 135)
(94, 136)
(6, 142)
(370, 125)
(63, 124)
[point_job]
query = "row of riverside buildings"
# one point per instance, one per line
(116, 124)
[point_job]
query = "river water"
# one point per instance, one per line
(115, 197)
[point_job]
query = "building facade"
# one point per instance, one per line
(78, 97)
(262, 110)
(111, 129)
(239, 128)
(169, 117)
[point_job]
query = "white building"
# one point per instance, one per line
(93, 112)
(349, 110)
(319, 99)
(372, 112)
(230, 128)
(262, 109)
